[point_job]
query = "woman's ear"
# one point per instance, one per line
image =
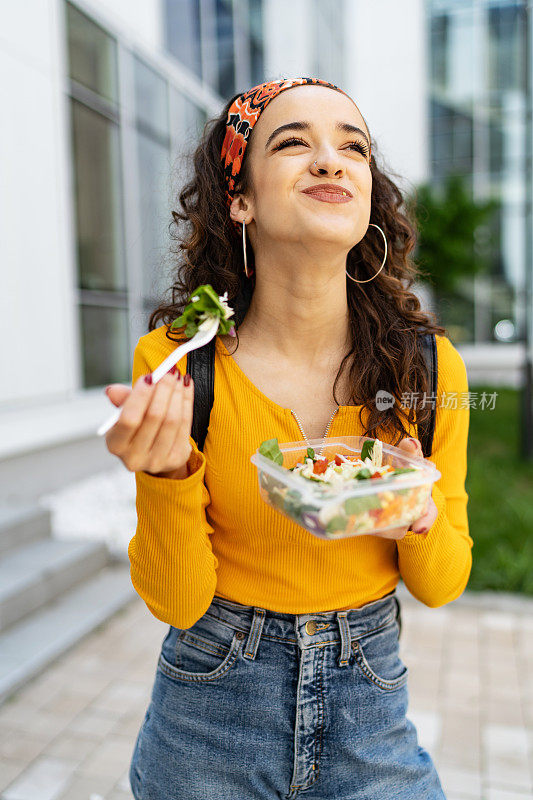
(239, 209)
(234, 211)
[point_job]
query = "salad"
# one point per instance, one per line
(204, 304)
(340, 470)
(345, 495)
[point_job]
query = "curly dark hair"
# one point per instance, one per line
(385, 317)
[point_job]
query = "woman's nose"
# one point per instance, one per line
(327, 163)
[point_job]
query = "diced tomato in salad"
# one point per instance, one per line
(320, 466)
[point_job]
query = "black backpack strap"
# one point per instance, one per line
(429, 350)
(201, 368)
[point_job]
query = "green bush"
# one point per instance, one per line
(500, 488)
(454, 232)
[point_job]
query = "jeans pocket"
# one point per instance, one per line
(204, 652)
(377, 657)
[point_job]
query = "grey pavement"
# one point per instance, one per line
(69, 734)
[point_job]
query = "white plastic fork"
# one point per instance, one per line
(198, 340)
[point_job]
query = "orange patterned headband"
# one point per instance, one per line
(242, 116)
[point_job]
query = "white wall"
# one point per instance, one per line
(36, 284)
(288, 37)
(386, 75)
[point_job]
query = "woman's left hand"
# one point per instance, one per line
(423, 523)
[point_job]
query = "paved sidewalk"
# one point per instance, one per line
(69, 734)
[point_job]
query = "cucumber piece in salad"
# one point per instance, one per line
(401, 470)
(337, 524)
(358, 505)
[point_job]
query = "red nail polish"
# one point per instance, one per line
(172, 370)
(187, 379)
(148, 379)
(178, 374)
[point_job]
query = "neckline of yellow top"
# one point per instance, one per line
(244, 377)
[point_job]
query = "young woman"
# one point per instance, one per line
(280, 674)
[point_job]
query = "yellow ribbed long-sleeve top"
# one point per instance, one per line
(211, 533)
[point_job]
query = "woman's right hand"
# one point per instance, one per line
(153, 430)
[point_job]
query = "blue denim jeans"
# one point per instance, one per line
(251, 704)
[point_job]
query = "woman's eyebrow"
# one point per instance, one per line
(344, 127)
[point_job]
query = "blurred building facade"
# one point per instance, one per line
(100, 112)
(477, 116)
(106, 100)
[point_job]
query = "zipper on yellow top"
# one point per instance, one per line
(327, 429)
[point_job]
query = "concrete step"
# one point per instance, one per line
(21, 525)
(29, 646)
(36, 573)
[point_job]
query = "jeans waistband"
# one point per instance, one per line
(305, 630)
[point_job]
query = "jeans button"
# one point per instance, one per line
(311, 627)
(240, 635)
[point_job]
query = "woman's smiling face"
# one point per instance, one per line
(317, 124)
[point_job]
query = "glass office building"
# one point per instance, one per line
(477, 130)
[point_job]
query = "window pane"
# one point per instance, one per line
(182, 31)
(506, 137)
(104, 339)
(151, 104)
(496, 148)
(98, 200)
(451, 139)
(154, 175)
(257, 65)
(452, 40)
(438, 49)
(256, 19)
(505, 47)
(256, 41)
(226, 57)
(462, 143)
(92, 55)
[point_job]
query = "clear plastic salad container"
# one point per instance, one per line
(356, 507)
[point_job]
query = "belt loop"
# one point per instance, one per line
(255, 633)
(345, 638)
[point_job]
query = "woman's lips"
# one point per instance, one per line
(328, 196)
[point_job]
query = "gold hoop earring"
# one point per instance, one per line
(384, 258)
(248, 274)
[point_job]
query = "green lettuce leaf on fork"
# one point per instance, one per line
(204, 304)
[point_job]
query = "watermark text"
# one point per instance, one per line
(483, 401)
